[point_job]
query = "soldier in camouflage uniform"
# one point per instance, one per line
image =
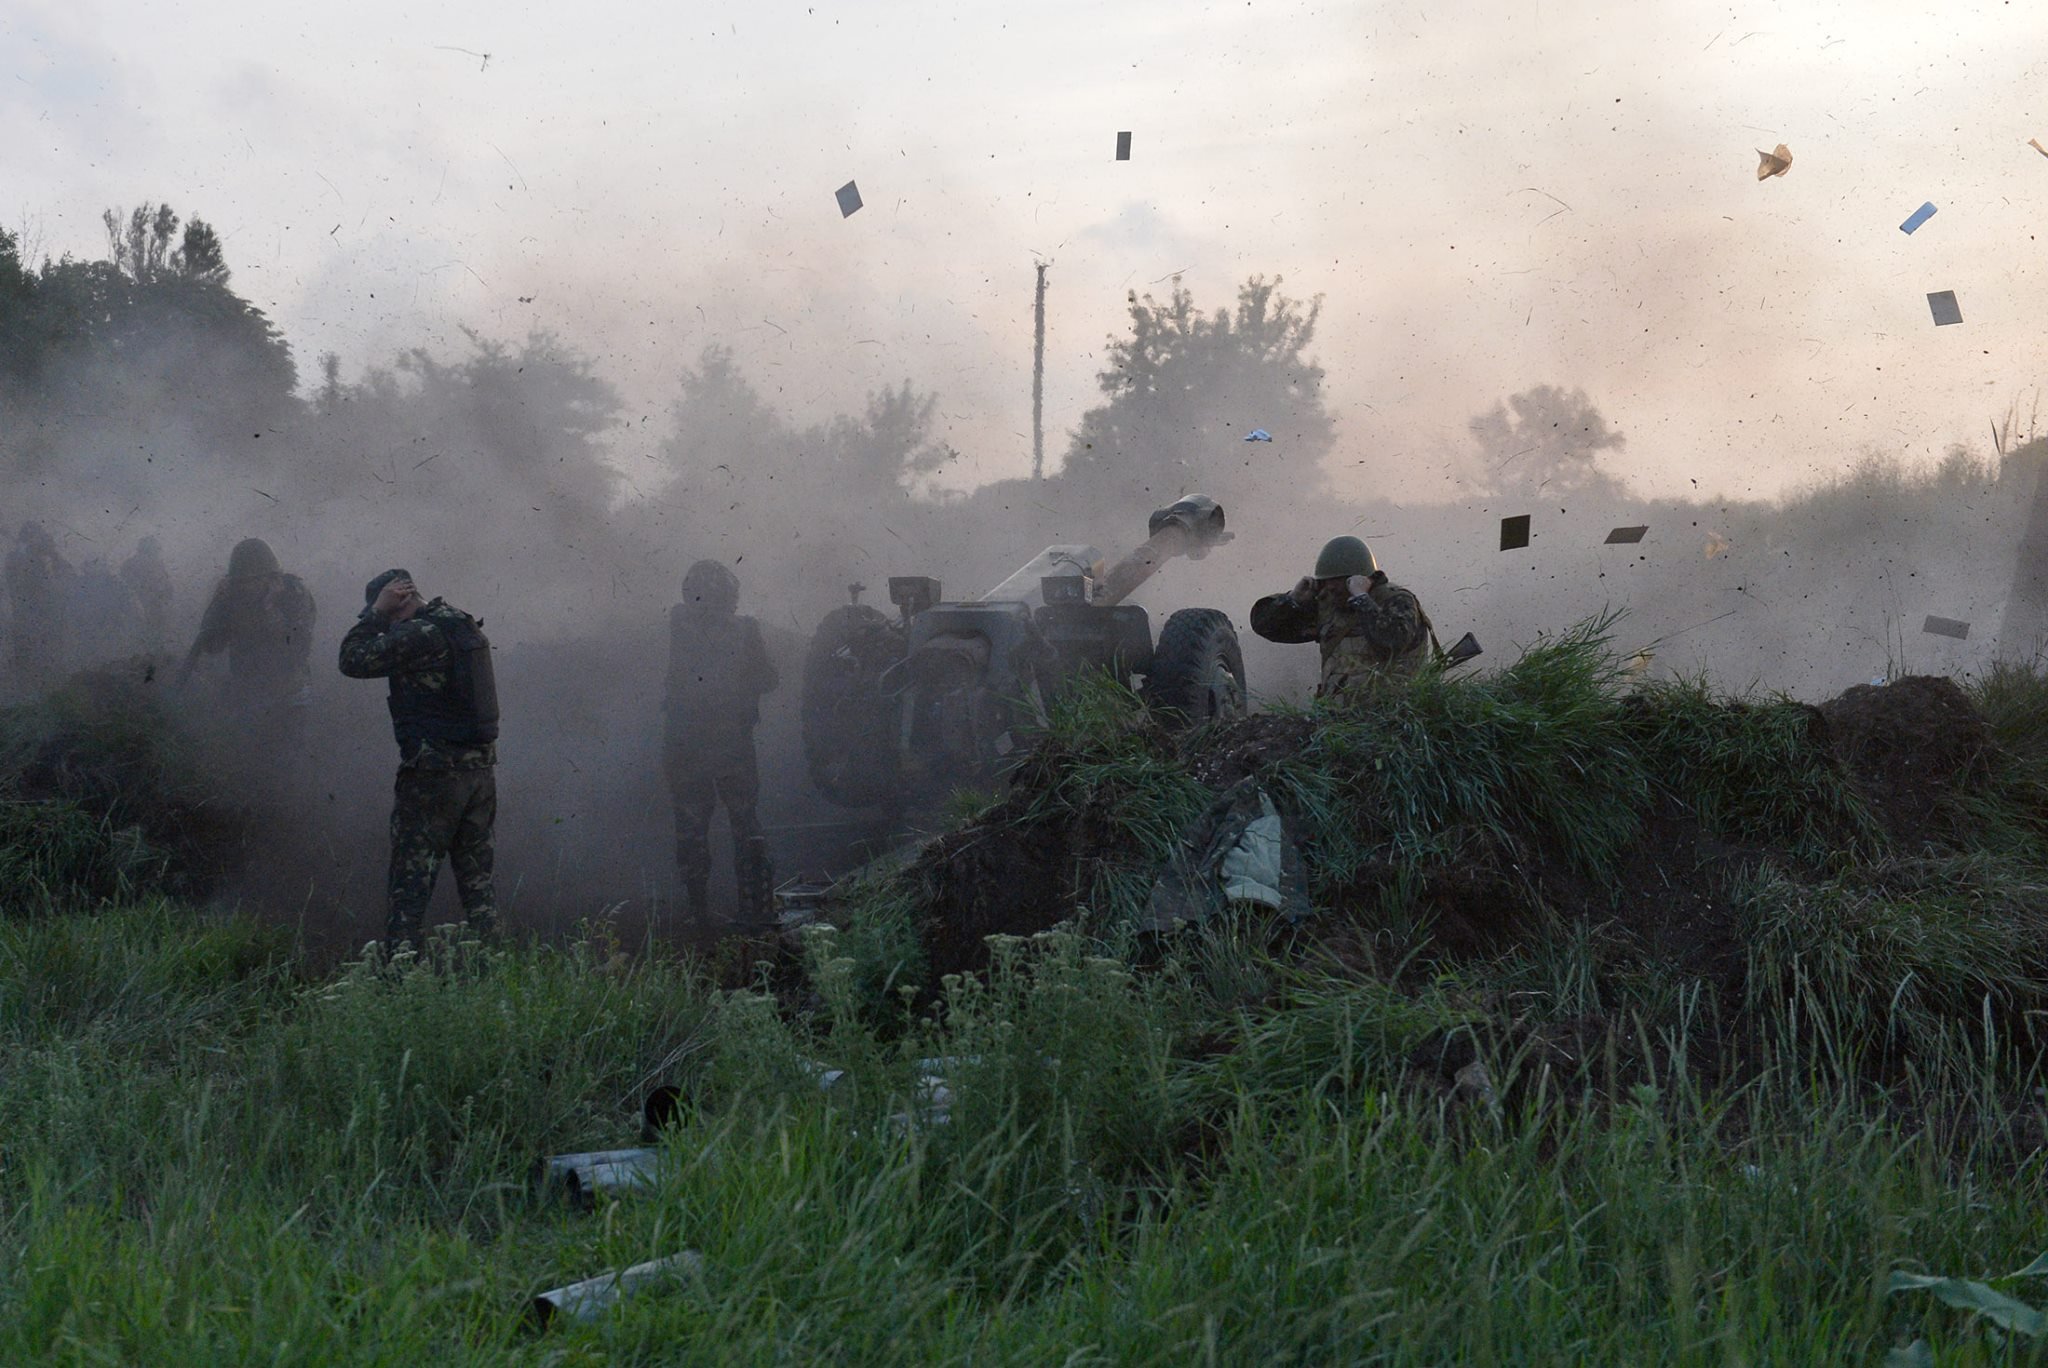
(718, 669)
(1371, 632)
(444, 711)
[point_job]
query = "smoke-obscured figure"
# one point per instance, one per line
(263, 619)
(444, 712)
(1371, 632)
(718, 669)
(37, 580)
(106, 612)
(149, 583)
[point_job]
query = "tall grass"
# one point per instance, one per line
(1246, 1151)
(231, 1166)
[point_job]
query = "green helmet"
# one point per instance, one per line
(1344, 556)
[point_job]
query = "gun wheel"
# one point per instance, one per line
(1197, 672)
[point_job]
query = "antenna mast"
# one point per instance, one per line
(1038, 379)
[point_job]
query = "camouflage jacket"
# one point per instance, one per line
(718, 669)
(1378, 635)
(377, 648)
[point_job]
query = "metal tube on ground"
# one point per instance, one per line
(584, 1176)
(591, 1298)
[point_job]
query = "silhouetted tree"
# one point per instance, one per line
(1186, 388)
(1545, 438)
(200, 256)
(886, 449)
(147, 345)
(18, 329)
(719, 419)
(139, 246)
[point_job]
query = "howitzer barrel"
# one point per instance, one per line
(1188, 528)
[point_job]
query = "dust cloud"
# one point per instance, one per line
(548, 415)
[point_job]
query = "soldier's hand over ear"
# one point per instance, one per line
(392, 597)
(1304, 590)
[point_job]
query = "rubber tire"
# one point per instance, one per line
(849, 731)
(1195, 646)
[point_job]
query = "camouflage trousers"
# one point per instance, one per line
(700, 777)
(441, 814)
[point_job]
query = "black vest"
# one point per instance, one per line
(463, 710)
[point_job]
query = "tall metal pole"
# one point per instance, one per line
(1038, 380)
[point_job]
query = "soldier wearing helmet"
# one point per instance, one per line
(262, 618)
(1370, 630)
(718, 669)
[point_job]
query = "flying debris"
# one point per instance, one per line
(1514, 532)
(1774, 163)
(849, 199)
(1626, 536)
(1920, 216)
(1945, 309)
(1948, 627)
(1123, 147)
(1258, 435)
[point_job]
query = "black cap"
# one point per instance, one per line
(376, 586)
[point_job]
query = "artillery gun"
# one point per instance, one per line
(902, 709)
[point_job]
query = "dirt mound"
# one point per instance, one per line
(1247, 745)
(1908, 746)
(1006, 873)
(1672, 897)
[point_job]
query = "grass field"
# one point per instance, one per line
(1240, 1147)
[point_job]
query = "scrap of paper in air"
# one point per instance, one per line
(1946, 310)
(1625, 536)
(1920, 216)
(1258, 435)
(1774, 163)
(1123, 147)
(1948, 627)
(1717, 545)
(2035, 143)
(849, 200)
(1514, 532)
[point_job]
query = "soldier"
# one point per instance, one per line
(263, 619)
(1370, 631)
(718, 669)
(150, 583)
(37, 583)
(444, 711)
(102, 600)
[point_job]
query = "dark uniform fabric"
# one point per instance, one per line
(264, 623)
(718, 669)
(150, 582)
(37, 581)
(446, 798)
(1366, 639)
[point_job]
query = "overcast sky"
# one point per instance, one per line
(1530, 192)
